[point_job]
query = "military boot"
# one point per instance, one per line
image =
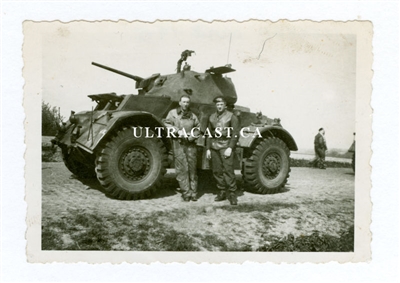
(233, 198)
(221, 196)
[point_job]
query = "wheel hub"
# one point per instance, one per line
(271, 165)
(135, 163)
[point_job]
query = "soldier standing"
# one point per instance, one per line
(319, 148)
(224, 129)
(185, 124)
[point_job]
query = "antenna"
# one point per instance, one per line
(229, 49)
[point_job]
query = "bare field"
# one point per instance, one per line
(78, 215)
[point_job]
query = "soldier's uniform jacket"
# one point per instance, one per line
(222, 121)
(319, 142)
(179, 119)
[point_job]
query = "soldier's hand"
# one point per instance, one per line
(228, 152)
(208, 154)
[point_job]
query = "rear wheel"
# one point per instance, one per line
(266, 171)
(129, 167)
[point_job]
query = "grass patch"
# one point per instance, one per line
(176, 241)
(83, 230)
(51, 156)
(50, 238)
(214, 243)
(329, 164)
(88, 231)
(265, 220)
(316, 242)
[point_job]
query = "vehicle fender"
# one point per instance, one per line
(249, 135)
(105, 127)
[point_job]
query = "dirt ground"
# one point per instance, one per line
(313, 199)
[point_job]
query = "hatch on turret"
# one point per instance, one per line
(220, 70)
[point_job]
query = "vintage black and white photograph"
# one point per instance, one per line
(200, 136)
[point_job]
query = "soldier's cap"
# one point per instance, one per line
(219, 98)
(320, 129)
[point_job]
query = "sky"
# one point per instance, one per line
(300, 72)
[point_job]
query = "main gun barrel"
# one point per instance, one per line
(136, 78)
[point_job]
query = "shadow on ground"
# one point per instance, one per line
(170, 187)
(91, 183)
(284, 190)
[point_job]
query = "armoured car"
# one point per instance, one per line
(101, 142)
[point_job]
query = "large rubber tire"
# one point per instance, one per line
(77, 168)
(266, 171)
(353, 162)
(131, 168)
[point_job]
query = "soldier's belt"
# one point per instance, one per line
(222, 138)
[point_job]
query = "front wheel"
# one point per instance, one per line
(266, 171)
(131, 168)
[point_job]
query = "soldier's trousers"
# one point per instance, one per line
(185, 158)
(319, 160)
(223, 171)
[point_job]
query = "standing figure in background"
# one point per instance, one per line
(185, 125)
(220, 149)
(319, 148)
